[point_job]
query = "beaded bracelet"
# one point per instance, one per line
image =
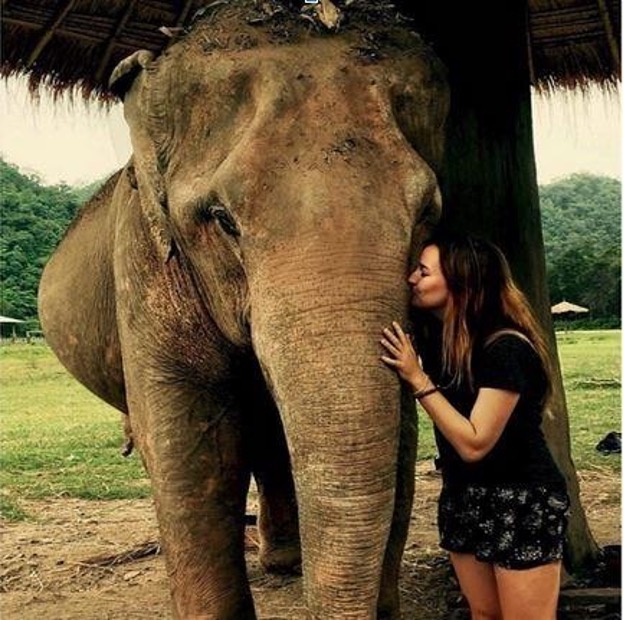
(425, 392)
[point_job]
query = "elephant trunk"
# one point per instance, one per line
(317, 335)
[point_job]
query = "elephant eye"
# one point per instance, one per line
(213, 210)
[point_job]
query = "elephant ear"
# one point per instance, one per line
(125, 72)
(128, 82)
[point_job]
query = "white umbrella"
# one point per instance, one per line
(565, 306)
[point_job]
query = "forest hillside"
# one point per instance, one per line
(581, 221)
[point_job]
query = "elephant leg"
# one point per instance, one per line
(192, 444)
(388, 607)
(128, 445)
(278, 522)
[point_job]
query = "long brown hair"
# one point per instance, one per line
(483, 298)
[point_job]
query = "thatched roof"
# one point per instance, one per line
(565, 307)
(8, 319)
(76, 43)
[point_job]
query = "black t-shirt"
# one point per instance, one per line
(521, 454)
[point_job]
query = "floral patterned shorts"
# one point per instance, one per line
(511, 526)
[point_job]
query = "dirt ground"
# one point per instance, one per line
(47, 567)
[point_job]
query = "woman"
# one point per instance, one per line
(484, 382)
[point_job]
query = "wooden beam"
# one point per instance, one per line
(110, 46)
(608, 26)
(88, 38)
(49, 33)
(184, 13)
(529, 44)
(132, 40)
(570, 40)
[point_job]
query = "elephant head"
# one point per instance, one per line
(292, 174)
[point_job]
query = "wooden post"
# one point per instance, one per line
(489, 180)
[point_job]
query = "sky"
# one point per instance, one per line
(79, 144)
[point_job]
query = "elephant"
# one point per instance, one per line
(226, 290)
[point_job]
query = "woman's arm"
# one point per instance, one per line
(475, 436)
(471, 437)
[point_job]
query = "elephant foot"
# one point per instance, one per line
(281, 560)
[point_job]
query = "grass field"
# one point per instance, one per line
(57, 439)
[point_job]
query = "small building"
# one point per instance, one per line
(565, 313)
(8, 327)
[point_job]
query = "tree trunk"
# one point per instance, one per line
(489, 179)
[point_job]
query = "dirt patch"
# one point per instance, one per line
(46, 568)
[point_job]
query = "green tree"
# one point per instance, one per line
(581, 220)
(33, 219)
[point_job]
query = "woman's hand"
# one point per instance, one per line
(403, 357)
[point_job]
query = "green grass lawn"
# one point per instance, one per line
(59, 440)
(591, 366)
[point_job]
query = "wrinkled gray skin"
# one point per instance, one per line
(232, 282)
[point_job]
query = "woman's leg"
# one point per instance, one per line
(478, 584)
(529, 594)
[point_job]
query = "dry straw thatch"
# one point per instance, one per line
(74, 44)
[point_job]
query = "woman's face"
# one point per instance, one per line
(429, 288)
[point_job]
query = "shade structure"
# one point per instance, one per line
(565, 307)
(69, 44)
(8, 319)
